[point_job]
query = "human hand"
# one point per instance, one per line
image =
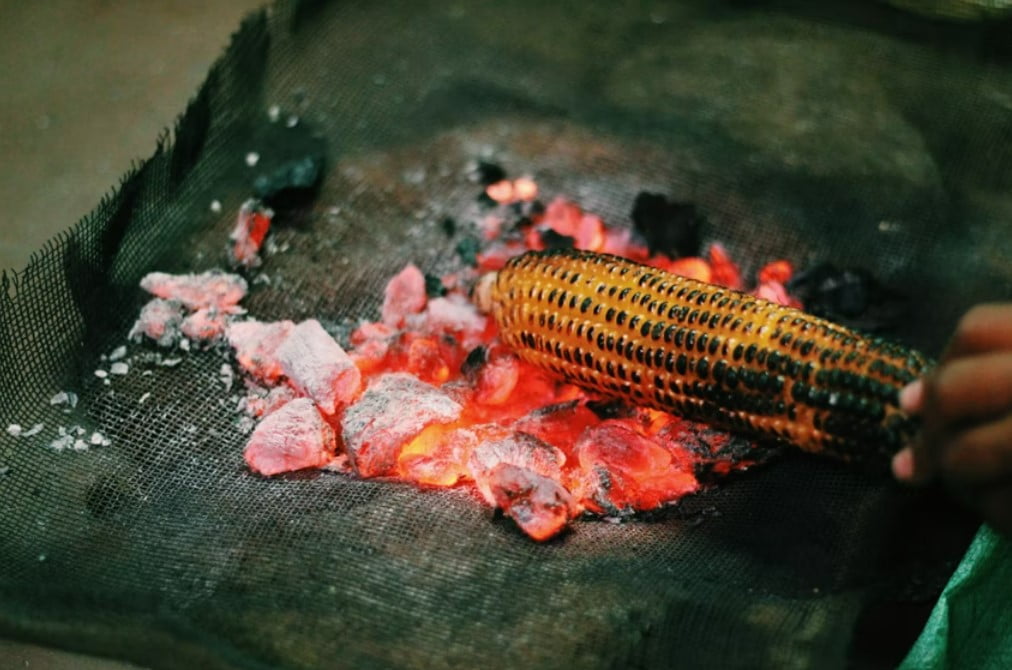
(965, 405)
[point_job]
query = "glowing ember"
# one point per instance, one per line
(291, 438)
(394, 409)
(210, 289)
(445, 403)
(249, 233)
(318, 367)
(159, 320)
(405, 295)
(255, 346)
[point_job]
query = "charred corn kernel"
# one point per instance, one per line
(703, 352)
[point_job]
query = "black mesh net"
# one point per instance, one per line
(852, 133)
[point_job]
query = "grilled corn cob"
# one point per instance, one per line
(703, 352)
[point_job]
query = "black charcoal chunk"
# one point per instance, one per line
(486, 173)
(292, 180)
(467, 249)
(667, 226)
(850, 296)
(554, 240)
(475, 360)
(434, 286)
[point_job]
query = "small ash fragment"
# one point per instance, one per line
(62, 442)
(227, 376)
(14, 430)
(118, 353)
(170, 362)
(216, 206)
(101, 374)
(68, 398)
(144, 398)
(119, 368)
(34, 430)
(273, 113)
(252, 158)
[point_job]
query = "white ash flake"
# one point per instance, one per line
(144, 397)
(101, 374)
(62, 442)
(34, 430)
(170, 362)
(252, 158)
(227, 376)
(291, 121)
(273, 113)
(118, 353)
(119, 368)
(14, 429)
(216, 206)
(184, 344)
(68, 398)
(99, 440)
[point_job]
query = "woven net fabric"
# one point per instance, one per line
(867, 137)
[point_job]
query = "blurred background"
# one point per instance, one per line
(88, 85)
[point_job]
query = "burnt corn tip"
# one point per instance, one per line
(704, 352)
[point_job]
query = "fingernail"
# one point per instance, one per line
(903, 465)
(911, 396)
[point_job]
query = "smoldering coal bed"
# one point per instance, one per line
(163, 535)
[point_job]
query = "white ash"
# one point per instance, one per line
(14, 429)
(252, 158)
(216, 206)
(227, 376)
(99, 440)
(62, 442)
(144, 397)
(245, 424)
(101, 374)
(118, 353)
(184, 344)
(34, 430)
(170, 362)
(79, 445)
(291, 121)
(119, 368)
(273, 113)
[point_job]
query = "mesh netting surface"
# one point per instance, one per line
(870, 139)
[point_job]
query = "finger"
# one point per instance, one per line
(984, 328)
(966, 389)
(903, 465)
(912, 397)
(981, 455)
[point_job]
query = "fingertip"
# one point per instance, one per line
(912, 397)
(903, 465)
